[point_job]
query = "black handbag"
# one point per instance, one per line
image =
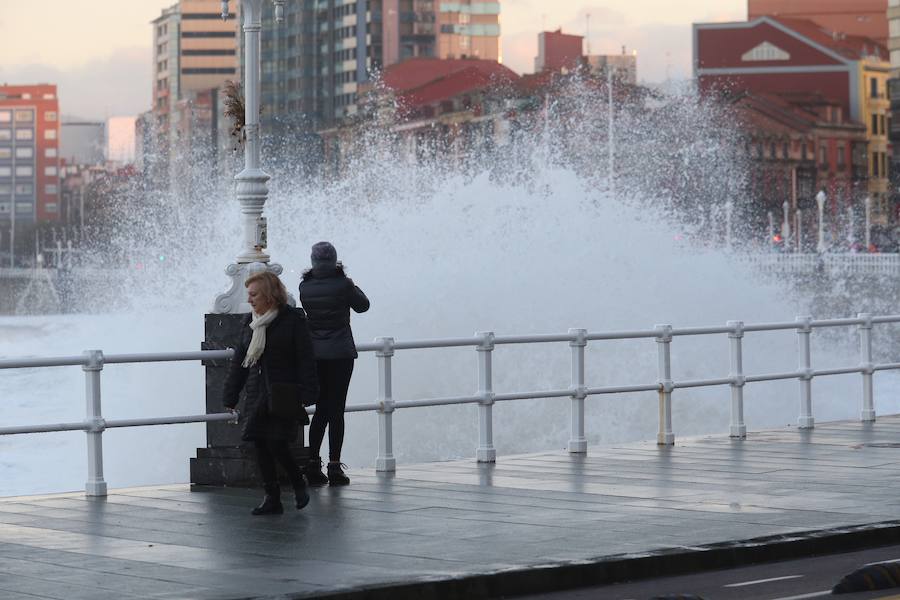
(284, 400)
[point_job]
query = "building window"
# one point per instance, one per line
(50, 188)
(25, 152)
(5, 153)
(5, 171)
(24, 189)
(50, 171)
(823, 156)
(4, 207)
(23, 207)
(51, 207)
(50, 115)
(50, 153)
(5, 135)
(785, 150)
(24, 171)
(24, 134)
(24, 116)
(841, 161)
(881, 122)
(5, 189)
(5, 116)
(873, 87)
(874, 129)
(49, 134)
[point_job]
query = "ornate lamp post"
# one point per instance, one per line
(252, 189)
(786, 224)
(820, 200)
(224, 460)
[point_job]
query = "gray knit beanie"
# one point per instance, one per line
(323, 255)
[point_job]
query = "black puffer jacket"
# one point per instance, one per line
(327, 295)
(288, 358)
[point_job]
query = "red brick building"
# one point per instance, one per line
(867, 18)
(796, 146)
(795, 57)
(29, 154)
(557, 51)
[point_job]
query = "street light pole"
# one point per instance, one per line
(252, 182)
(820, 200)
(729, 210)
(868, 223)
(611, 141)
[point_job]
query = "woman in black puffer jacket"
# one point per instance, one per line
(327, 295)
(275, 347)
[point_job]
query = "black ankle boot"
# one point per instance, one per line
(314, 474)
(271, 504)
(301, 496)
(336, 474)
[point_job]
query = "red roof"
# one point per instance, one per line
(421, 81)
(853, 47)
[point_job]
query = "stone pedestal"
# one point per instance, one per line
(226, 460)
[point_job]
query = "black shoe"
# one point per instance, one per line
(271, 504)
(336, 474)
(301, 495)
(314, 474)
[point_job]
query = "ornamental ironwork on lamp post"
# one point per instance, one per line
(252, 182)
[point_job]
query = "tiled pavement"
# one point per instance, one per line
(450, 520)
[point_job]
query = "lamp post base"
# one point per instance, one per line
(234, 301)
(227, 460)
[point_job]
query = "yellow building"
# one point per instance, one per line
(875, 110)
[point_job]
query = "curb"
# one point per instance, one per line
(618, 568)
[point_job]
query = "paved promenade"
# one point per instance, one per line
(528, 523)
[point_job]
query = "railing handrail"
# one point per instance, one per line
(92, 363)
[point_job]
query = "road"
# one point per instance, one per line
(790, 580)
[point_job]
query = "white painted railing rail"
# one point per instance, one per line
(485, 343)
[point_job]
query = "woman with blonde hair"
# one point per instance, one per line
(275, 353)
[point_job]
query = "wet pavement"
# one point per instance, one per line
(514, 526)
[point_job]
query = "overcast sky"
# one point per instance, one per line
(99, 51)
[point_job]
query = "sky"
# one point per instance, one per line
(99, 51)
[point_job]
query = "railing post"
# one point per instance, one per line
(577, 441)
(485, 453)
(805, 421)
(665, 437)
(95, 485)
(385, 461)
(865, 358)
(738, 428)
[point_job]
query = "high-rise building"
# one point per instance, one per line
(314, 63)
(29, 153)
(557, 51)
(867, 18)
(82, 142)
(468, 29)
(194, 51)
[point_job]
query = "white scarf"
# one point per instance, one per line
(258, 324)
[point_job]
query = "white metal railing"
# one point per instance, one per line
(92, 363)
(484, 343)
(808, 263)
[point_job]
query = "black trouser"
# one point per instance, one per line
(269, 451)
(334, 380)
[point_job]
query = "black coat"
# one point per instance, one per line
(287, 358)
(327, 296)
